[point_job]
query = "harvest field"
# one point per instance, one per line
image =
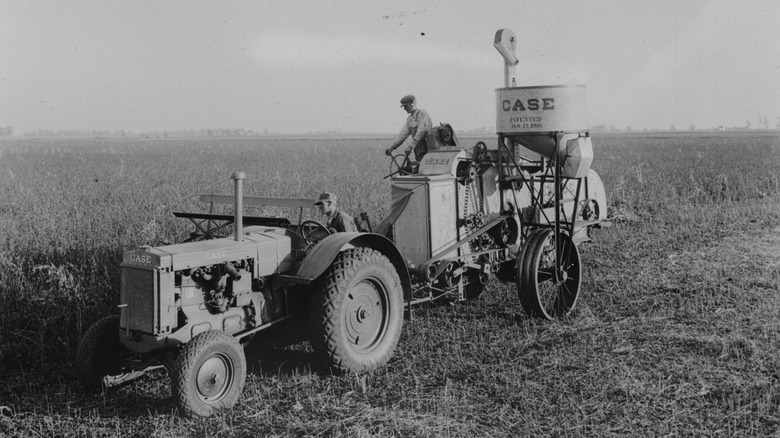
(677, 331)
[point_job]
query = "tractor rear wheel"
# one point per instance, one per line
(357, 311)
(548, 289)
(209, 374)
(97, 357)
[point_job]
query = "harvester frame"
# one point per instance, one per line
(547, 190)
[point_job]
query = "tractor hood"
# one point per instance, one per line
(269, 247)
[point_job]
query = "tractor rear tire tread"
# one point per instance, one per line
(328, 339)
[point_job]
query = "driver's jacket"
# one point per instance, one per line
(341, 222)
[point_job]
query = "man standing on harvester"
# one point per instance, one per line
(418, 125)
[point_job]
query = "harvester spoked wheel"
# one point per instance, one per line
(505, 233)
(98, 362)
(357, 311)
(548, 289)
(209, 374)
(589, 209)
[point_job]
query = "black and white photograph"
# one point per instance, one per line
(429, 218)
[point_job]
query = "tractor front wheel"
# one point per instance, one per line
(357, 311)
(209, 374)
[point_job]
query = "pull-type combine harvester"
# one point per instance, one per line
(516, 211)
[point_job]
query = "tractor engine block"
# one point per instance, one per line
(215, 282)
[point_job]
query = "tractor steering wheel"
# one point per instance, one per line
(404, 168)
(313, 231)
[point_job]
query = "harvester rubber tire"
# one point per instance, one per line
(209, 374)
(98, 353)
(540, 295)
(516, 266)
(357, 312)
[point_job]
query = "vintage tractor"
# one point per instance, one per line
(459, 217)
(189, 307)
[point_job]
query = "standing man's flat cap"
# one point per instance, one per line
(407, 100)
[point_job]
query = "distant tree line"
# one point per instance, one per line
(206, 132)
(8, 131)
(75, 133)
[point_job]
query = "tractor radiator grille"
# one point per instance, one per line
(139, 289)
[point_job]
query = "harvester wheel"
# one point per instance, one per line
(209, 374)
(97, 358)
(589, 209)
(505, 233)
(548, 291)
(357, 311)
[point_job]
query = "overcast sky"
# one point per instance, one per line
(300, 66)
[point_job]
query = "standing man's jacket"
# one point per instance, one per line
(419, 126)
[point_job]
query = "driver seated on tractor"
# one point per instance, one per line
(338, 220)
(419, 126)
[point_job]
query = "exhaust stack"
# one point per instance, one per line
(238, 177)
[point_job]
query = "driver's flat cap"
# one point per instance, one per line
(327, 196)
(407, 100)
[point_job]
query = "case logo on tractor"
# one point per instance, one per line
(143, 259)
(216, 255)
